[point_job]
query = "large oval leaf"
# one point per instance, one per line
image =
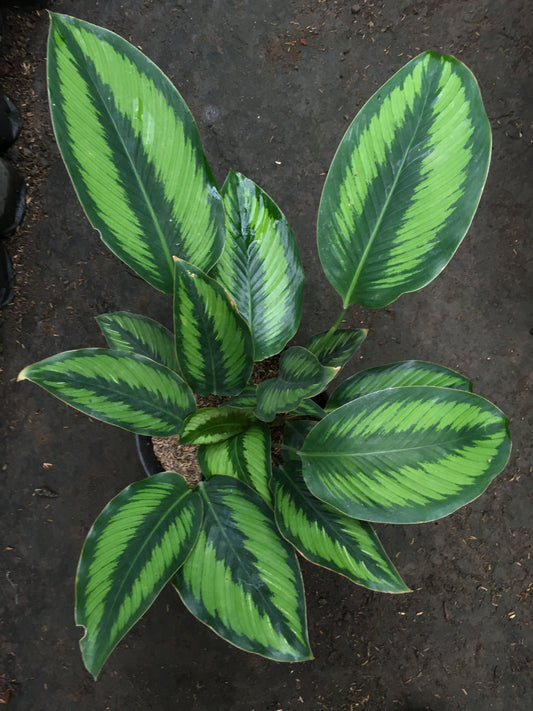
(133, 152)
(406, 455)
(139, 334)
(213, 343)
(135, 546)
(242, 579)
(260, 267)
(396, 375)
(123, 389)
(330, 538)
(405, 182)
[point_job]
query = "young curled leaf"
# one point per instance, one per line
(301, 375)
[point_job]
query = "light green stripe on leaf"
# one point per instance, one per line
(335, 349)
(245, 456)
(209, 425)
(213, 343)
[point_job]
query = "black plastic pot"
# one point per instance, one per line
(9, 122)
(27, 4)
(145, 450)
(12, 198)
(6, 277)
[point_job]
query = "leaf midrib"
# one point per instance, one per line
(144, 545)
(267, 600)
(340, 455)
(353, 284)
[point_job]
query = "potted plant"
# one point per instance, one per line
(403, 443)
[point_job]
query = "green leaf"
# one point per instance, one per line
(405, 182)
(135, 546)
(123, 389)
(330, 538)
(300, 376)
(139, 334)
(395, 375)
(242, 579)
(214, 424)
(260, 267)
(308, 408)
(337, 348)
(245, 399)
(406, 455)
(294, 434)
(213, 343)
(133, 152)
(246, 456)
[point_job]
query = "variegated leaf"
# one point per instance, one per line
(133, 152)
(294, 434)
(260, 267)
(246, 456)
(246, 399)
(300, 376)
(139, 334)
(135, 546)
(215, 424)
(123, 389)
(406, 455)
(213, 343)
(308, 408)
(396, 375)
(330, 538)
(335, 349)
(405, 182)
(242, 579)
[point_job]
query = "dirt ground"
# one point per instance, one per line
(273, 85)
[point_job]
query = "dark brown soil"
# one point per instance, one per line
(272, 86)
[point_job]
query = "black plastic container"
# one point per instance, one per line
(145, 450)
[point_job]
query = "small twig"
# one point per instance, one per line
(13, 586)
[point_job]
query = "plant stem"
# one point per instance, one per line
(336, 324)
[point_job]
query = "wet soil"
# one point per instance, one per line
(273, 86)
